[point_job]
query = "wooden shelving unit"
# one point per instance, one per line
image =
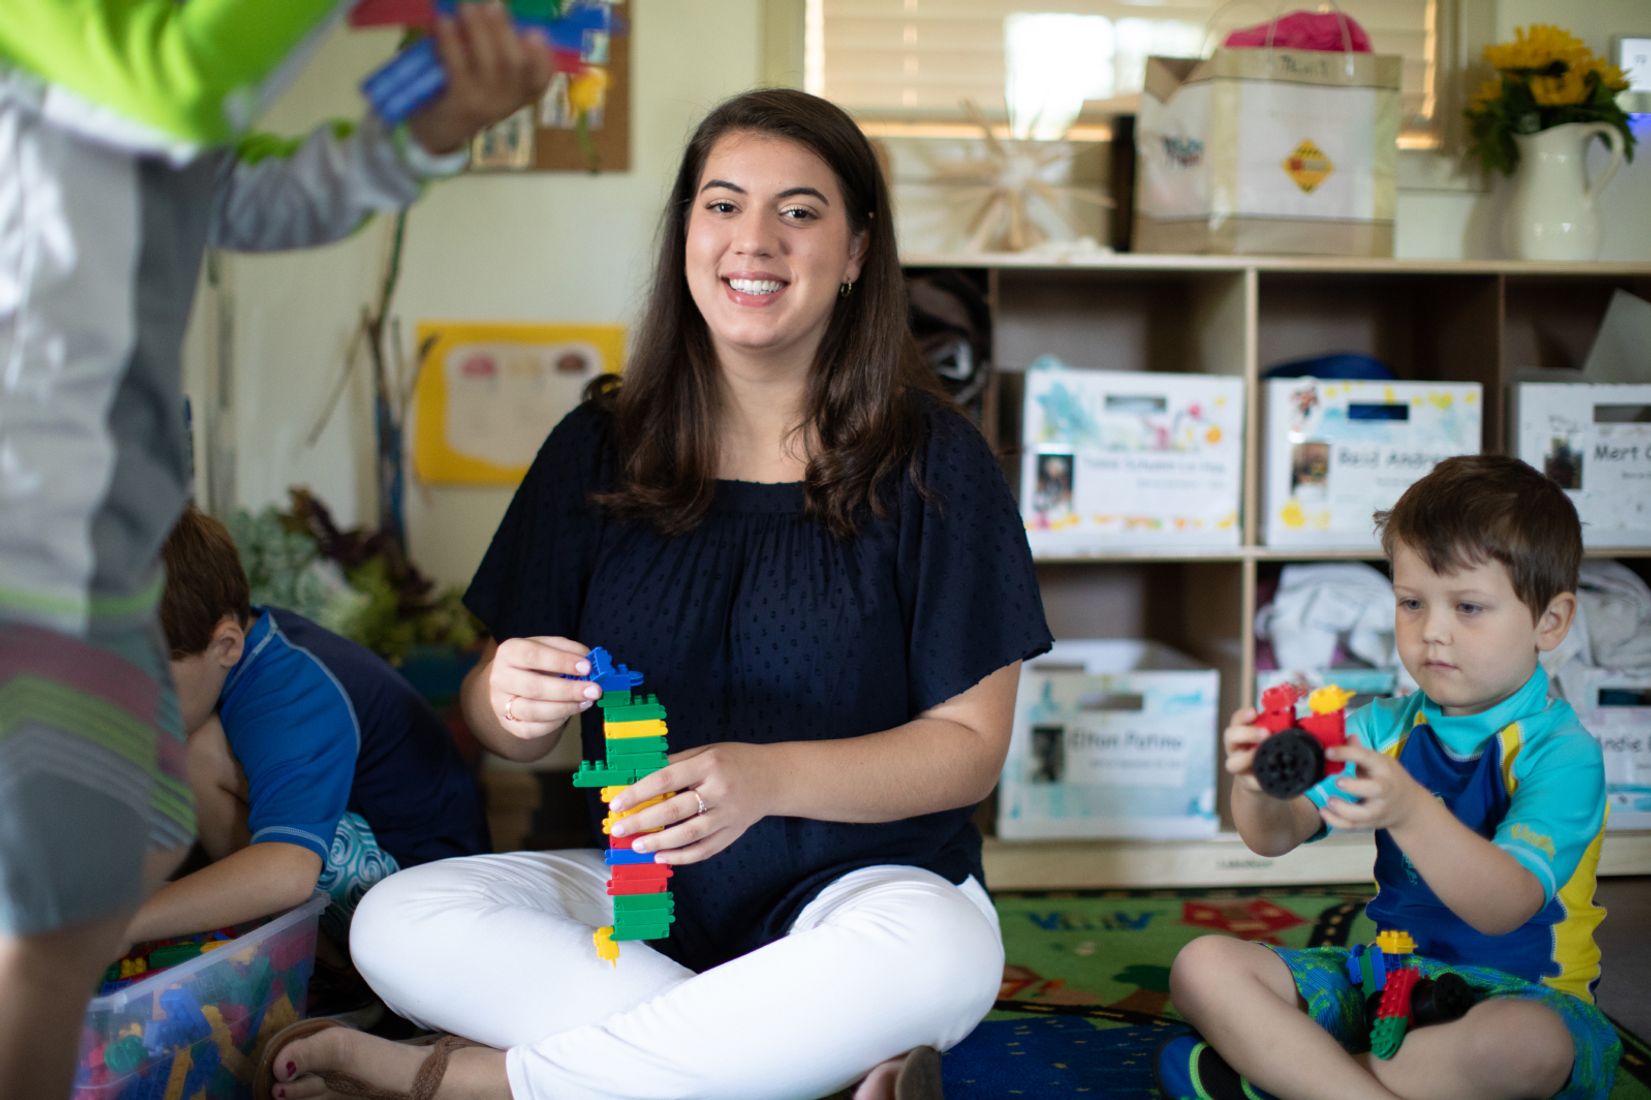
(1470, 321)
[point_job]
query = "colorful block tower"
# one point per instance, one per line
(1397, 997)
(634, 731)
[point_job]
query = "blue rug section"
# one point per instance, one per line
(1056, 1056)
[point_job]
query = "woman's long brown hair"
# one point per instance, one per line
(864, 401)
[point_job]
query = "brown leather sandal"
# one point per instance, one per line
(919, 1078)
(425, 1082)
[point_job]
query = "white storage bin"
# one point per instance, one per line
(1123, 459)
(1111, 739)
(1616, 707)
(1595, 440)
(1338, 451)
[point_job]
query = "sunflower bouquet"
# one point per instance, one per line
(1545, 77)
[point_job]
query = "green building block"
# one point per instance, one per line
(631, 905)
(124, 1054)
(600, 774)
(543, 10)
(646, 708)
(1386, 1036)
(648, 932)
(625, 747)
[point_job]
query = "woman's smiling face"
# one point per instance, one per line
(768, 246)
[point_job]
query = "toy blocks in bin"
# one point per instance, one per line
(1118, 459)
(1338, 451)
(1595, 441)
(192, 1030)
(1111, 738)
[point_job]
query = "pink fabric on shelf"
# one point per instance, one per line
(1305, 30)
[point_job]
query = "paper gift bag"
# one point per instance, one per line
(1259, 150)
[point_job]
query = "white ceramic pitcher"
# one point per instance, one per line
(1551, 215)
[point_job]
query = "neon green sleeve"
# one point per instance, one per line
(195, 71)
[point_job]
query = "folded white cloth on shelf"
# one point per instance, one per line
(1612, 628)
(1617, 606)
(1320, 606)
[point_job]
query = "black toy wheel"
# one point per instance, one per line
(1441, 1000)
(1288, 762)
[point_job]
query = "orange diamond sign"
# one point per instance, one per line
(1308, 166)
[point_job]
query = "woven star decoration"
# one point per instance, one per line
(1000, 190)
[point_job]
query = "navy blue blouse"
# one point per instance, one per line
(761, 626)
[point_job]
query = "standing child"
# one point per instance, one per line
(121, 136)
(1488, 802)
(311, 759)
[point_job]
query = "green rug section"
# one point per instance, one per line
(1085, 996)
(1113, 948)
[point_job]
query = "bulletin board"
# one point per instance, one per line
(488, 394)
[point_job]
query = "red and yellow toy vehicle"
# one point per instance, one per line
(1292, 760)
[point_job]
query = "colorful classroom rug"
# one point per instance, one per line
(1085, 998)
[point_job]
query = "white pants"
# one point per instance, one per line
(497, 948)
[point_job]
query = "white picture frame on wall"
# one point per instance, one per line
(1632, 54)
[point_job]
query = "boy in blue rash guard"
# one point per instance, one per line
(1488, 803)
(312, 761)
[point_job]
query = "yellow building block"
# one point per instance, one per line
(1395, 942)
(606, 947)
(181, 1062)
(648, 727)
(607, 822)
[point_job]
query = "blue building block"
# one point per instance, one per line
(608, 676)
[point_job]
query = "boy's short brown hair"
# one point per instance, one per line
(1476, 508)
(204, 582)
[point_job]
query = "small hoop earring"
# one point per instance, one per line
(845, 289)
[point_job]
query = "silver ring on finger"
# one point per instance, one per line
(509, 717)
(702, 806)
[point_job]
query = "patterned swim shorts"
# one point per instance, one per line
(1336, 1002)
(354, 863)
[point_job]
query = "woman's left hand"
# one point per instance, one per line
(720, 791)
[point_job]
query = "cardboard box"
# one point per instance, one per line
(1615, 705)
(1595, 441)
(1338, 451)
(193, 1029)
(1267, 152)
(1121, 459)
(1111, 739)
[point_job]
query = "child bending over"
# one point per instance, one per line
(312, 761)
(1488, 803)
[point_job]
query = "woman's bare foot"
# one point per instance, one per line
(302, 1067)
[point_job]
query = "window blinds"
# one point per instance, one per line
(919, 59)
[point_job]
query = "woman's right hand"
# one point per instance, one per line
(1240, 741)
(528, 687)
